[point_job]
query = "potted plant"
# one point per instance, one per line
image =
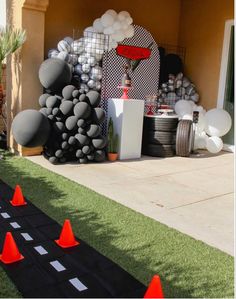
(10, 41)
(113, 140)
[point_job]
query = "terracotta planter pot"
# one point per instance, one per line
(112, 156)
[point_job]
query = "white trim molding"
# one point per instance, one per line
(223, 73)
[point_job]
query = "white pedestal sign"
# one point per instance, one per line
(127, 116)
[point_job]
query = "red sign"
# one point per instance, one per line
(132, 52)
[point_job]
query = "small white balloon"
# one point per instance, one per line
(200, 140)
(122, 15)
(73, 59)
(84, 87)
(183, 107)
(77, 46)
(68, 39)
(96, 73)
(84, 78)
(98, 85)
(92, 61)
(107, 20)
(218, 122)
(111, 12)
(214, 144)
(129, 20)
(97, 25)
(91, 84)
(117, 25)
(52, 53)
(129, 32)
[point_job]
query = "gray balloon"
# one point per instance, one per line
(67, 92)
(66, 107)
(59, 127)
(31, 128)
(43, 99)
(93, 131)
(79, 153)
(83, 140)
(98, 115)
(52, 102)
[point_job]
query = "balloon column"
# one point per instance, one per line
(211, 125)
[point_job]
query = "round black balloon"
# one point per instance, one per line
(91, 156)
(64, 145)
(66, 107)
(83, 140)
(72, 140)
(86, 149)
(75, 101)
(64, 136)
(79, 153)
(43, 99)
(67, 92)
(54, 74)
(53, 160)
(31, 128)
(83, 160)
(98, 115)
(81, 131)
(94, 98)
(62, 160)
(59, 127)
(71, 122)
(52, 102)
(43, 111)
(81, 123)
(82, 110)
(99, 156)
(93, 131)
(75, 93)
(99, 142)
(59, 153)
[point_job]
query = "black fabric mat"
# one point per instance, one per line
(94, 275)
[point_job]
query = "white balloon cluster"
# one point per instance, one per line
(116, 25)
(211, 125)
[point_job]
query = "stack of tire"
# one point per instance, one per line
(159, 135)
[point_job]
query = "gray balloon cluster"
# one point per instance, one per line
(177, 88)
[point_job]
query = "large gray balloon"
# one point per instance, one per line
(66, 107)
(99, 142)
(31, 128)
(82, 110)
(67, 92)
(98, 115)
(54, 74)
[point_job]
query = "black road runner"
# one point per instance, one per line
(49, 271)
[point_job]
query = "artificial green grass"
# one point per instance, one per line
(188, 268)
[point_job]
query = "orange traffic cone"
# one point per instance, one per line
(10, 253)
(67, 238)
(18, 198)
(154, 289)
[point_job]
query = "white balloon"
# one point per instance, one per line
(77, 47)
(68, 39)
(128, 20)
(214, 144)
(218, 122)
(96, 73)
(200, 140)
(117, 25)
(129, 32)
(84, 87)
(109, 30)
(111, 12)
(84, 77)
(122, 15)
(52, 53)
(92, 61)
(183, 107)
(107, 20)
(91, 84)
(86, 68)
(73, 59)
(119, 36)
(97, 25)
(201, 124)
(63, 46)
(98, 85)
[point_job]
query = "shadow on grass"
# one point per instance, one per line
(47, 193)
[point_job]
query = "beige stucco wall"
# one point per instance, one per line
(202, 32)
(160, 17)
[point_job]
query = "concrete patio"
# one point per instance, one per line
(193, 195)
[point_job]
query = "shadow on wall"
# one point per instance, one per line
(114, 236)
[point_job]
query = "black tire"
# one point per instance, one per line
(162, 123)
(161, 137)
(160, 150)
(184, 138)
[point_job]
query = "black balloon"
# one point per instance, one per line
(68, 91)
(54, 74)
(99, 156)
(31, 128)
(94, 98)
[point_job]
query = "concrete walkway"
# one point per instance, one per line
(193, 195)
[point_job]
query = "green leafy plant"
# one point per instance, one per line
(10, 40)
(113, 139)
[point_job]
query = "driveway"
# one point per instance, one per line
(193, 195)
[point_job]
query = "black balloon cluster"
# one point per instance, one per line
(76, 131)
(68, 124)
